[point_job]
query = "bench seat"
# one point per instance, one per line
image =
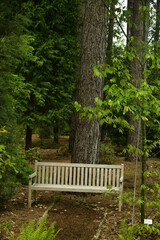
(64, 188)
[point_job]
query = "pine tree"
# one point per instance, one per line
(86, 134)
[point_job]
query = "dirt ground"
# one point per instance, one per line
(80, 216)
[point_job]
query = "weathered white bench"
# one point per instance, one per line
(73, 177)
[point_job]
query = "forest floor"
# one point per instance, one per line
(80, 216)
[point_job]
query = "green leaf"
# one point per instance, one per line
(98, 101)
(77, 106)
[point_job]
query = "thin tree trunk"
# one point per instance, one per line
(136, 32)
(110, 26)
(155, 72)
(56, 134)
(28, 143)
(130, 9)
(143, 178)
(110, 32)
(144, 157)
(157, 21)
(87, 134)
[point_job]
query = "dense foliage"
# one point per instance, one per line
(49, 74)
(38, 54)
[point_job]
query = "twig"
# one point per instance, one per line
(44, 214)
(97, 235)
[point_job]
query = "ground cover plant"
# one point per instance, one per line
(41, 232)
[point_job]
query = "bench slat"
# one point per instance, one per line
(59, 172)
(70, 176)
(74, 176)
(90, 176)
(82, 175)
(78, 176)
(114, 178)
(66, 177)
(62, 180)
(106, 177)
(55, 175)
(117, 185)
(43, 174)
(39, 174)
(110, 173)
(51, 174)
(94, 176)
(102, 177)
(97, 176)
(47, 173)
(86, 176)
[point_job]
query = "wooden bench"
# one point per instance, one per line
(74, 177)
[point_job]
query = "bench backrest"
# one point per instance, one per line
(96, 175)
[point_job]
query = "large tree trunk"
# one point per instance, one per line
(136, 31)
(28, 143)
(92, 32)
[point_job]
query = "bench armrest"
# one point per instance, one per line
(32, 175)
(31, 178)
(121, 179)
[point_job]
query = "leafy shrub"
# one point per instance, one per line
(33, 154)
(63, 151)
(13, 172)
(126, 232)
(139, 231)
(8, 181)
(5, 229)
(148, 232)
(152, 201)
(5, 160)
(45, 144)
(8, 184)
(22, 168)
(41, 232)
(6, 225)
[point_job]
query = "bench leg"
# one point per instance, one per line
(120, 205)
(29, 197)
(120, 201)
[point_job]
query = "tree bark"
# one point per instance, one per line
(92, 32)
(136, 31)
(28, 143)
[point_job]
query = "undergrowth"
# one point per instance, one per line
(141, 231)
